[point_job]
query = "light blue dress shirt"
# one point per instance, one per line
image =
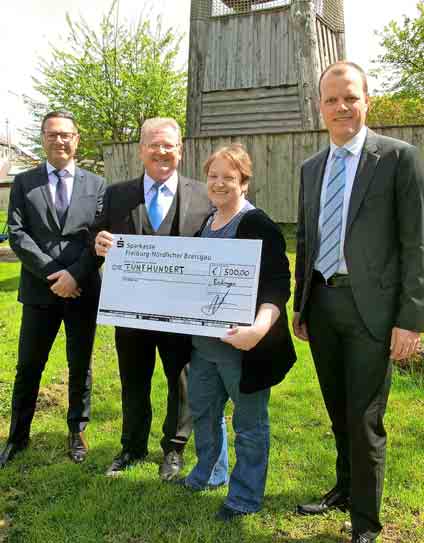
(354, 146)
(166, 194)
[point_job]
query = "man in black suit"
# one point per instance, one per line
(359, 296)
(162, 203)
(51, 210)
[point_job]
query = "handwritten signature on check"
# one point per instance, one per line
(218, 300)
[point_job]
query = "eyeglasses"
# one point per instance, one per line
(166, 147)
(64, 136)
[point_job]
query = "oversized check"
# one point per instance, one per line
(199, 286)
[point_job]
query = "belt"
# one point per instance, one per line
(338, 280)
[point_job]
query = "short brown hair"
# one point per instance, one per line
(237, 155)
(339, 68)
(61, 114)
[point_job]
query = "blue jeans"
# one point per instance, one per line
(210, 384)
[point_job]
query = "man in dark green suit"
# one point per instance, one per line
(359, 297)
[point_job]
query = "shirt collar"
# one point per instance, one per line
(171, 183)
(354, 146)
(69, 168)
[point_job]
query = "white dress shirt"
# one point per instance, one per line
(354, 146)
(67, 176)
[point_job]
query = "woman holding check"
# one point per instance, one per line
(249, 359)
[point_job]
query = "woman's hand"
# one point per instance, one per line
(245, 338)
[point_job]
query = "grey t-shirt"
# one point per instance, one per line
(212, 348)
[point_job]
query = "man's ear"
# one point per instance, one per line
(368, 103)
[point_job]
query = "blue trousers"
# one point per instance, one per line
(210, 385)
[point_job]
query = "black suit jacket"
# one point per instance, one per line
(122, 214)
(384, 242)
(122, 209)
(39, 242)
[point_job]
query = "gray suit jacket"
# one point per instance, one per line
(384, 243)
(40, 244)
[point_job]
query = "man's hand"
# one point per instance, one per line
(103, 242)
(64, 284)
(403, 343)
(300, 330)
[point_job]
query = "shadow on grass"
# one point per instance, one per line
(9, 285)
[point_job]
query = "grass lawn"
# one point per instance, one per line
(44, 498)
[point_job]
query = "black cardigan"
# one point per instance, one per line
(268, 362)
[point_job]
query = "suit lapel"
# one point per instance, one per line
(43, 181)
(364, 174)
(184, 202)
(316, 178)
(138, 211)
(78, 190)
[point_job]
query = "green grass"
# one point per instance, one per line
(44, 498)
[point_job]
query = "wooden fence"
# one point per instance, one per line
(4, 196)
(276, 158)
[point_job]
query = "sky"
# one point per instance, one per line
(28, 27)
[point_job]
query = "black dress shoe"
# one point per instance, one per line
(10, 451)
(335, 499)
(359, 538)
(171, 466)
(78, 447)
(123, 461)
(227, 514)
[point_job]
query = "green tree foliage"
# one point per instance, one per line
(402, 62)
(401, 70)
(112, 79)
(395, 109)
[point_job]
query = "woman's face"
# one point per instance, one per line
(225, 188)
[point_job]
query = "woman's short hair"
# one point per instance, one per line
(237, 155)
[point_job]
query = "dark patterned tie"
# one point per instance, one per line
(61, 199)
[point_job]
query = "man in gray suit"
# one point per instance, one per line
(51, 210)
(160, 203)
(359, 297)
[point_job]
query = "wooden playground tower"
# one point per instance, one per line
(254, 65)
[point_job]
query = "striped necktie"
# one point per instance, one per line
(156, 210)
(61, 198)
(332, 216)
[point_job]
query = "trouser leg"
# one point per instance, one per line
(136, 357)
(207, 397)
(174, 351)
(80, 328)
(39, 328)
(364, 386)
(251, 428)
(368, 377)
(326, 347)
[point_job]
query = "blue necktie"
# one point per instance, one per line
(155, 208)
(61, 198)
(331, 229)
